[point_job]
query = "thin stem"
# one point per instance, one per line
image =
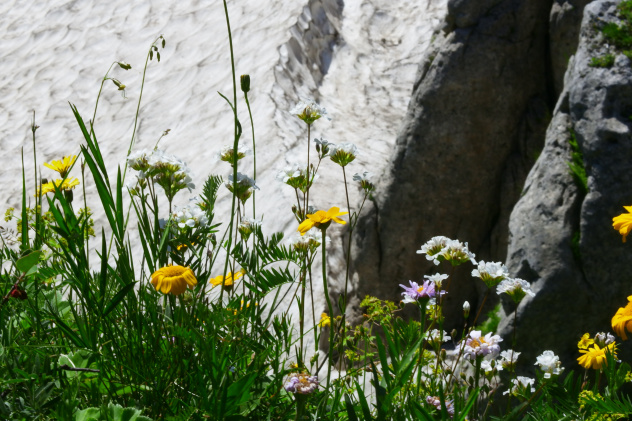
(422, 328)
(254, 153)
(306, 202)
(481, 307)
(235, 144)
(343, 310)
(329, 306)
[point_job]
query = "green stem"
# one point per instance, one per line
(254, 153)
(343, 310)
(477, 374)
(306, 202)
(422, 329)
(235, 145)
(329, 306)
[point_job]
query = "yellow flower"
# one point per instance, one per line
(229, 281)
(623, 222)
(321, 217)
(325, 320)
(63, 166)
(622, 320)
(67, 184)
(173, 279)
(596, 357)
(585, 341)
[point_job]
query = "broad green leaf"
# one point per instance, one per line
(28, 263)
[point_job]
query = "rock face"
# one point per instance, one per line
(589, 287)
(474, 125)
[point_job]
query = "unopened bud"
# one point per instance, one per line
(466, 309)
(124, 65)
(245, 83)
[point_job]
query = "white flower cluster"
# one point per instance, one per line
(437, 278)
(442, 248)
(309, 111)
(477, 345)
(190, 216)
(301, 383)
(434, 337)
(311, 240)
(491, 272)
(508, 358)
(243, 187)
(521, 385)
(343, 154)
(226, 154)
(516, 288)
(169, 172)
(549, 363)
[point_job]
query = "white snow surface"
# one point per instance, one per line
(53, 52)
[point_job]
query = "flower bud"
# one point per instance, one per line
(124, 65)
(245, 83)
(466, 309)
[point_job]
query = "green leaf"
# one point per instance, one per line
(89, 414)
(118, 298)
(350, 409)
(28, 263)
(363, 403)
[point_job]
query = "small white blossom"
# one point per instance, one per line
(309, 111)
(488, 367)
(549, 363)
(604, 339)
(437, 278)
(434, 337)
(509, 358)
(477, 345)
(491, 272)
(516, 288)
(521, 384)
(343, 154)
(433, 247)
(456, 253)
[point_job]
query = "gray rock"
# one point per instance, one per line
(564, 23)
(574, 296)
(475, 122)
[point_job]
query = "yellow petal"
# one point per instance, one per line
(305, 226)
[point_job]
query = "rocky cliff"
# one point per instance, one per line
(554, 217)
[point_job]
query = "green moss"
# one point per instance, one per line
(606, 61)
(618, 35)
(576, 165)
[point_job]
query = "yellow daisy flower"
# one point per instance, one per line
(63, 166)
(622, 320)
(67, 184)
(596, 357)
(623, 222)
(173, 279)
(229, 281)
(321, 217)
(325, 320)
(585, 341)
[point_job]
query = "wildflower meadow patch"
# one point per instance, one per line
(198, 325)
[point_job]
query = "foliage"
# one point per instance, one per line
(90, 330)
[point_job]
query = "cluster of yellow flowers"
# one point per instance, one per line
(595, 354)
(63, 168)
(175, 279)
